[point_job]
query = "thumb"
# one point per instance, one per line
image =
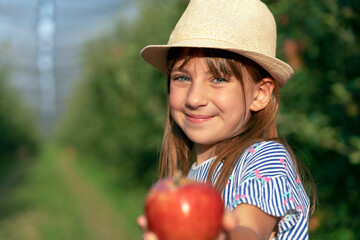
(142, 222)
(149, 236)
(229, 221)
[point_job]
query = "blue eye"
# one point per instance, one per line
(220, 80)
(181, 79)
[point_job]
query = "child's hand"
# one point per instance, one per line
(142, 222)
(229, 224)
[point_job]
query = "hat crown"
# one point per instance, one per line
(244, 24)
(245, 27)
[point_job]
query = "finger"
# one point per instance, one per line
(142, 222)
(149, 236)
(222, 236)
(229, 221)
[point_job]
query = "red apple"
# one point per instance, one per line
(181, 209)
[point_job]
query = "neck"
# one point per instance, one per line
(204, 152)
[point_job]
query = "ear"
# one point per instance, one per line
(262, 94)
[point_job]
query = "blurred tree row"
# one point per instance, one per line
(320, 105)
(117, 113)
(18, 137)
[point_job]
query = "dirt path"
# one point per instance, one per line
(97, 214)
(50, 199)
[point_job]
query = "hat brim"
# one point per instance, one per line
(156, 55)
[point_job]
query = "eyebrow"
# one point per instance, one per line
(180, 70)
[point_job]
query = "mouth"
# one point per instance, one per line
(198, 118)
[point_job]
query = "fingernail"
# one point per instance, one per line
(146, 236)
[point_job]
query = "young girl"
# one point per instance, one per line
(223, 83)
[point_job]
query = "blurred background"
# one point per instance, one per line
(81, 114)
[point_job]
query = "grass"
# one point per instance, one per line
(59, 196)
(38, 205)
(127, 202)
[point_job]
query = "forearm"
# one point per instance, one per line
(251, 223)
(243, 233)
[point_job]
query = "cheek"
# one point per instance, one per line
(230, 102)
(175, 98)
(225, 99)
(172, 100)
(234, 109)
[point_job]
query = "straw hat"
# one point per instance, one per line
(246, 27)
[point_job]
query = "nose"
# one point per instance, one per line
(197, 95)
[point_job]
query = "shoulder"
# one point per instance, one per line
(266, 154)
(265, 176)
(268, 158)
(266, 148)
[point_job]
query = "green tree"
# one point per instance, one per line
(320, 105)
(18, 136)
(118, 111)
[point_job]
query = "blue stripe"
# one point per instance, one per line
(262, 179)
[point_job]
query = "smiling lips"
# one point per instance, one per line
(198, 118)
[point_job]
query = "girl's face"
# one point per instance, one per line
(208, 108)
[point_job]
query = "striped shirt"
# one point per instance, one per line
(265, 176)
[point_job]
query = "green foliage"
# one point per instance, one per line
(320, 105)
(118, 111)
(18, 134)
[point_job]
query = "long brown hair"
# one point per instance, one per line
(177, 151)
